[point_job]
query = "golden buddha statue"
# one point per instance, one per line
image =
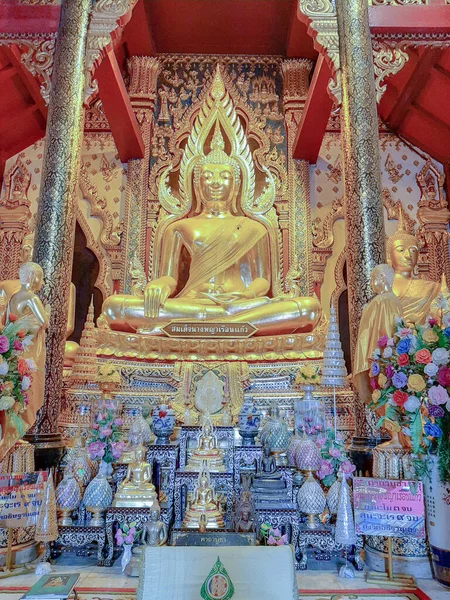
(26, 304)
(204, 507)
(377, 319)
(137, 488)
(415, 295)
(227, 234)
(9, 287)
(206, 450)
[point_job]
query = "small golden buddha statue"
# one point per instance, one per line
(415, 295)
(26, 304)
(206, 450)
(204, 509)
(377, 319)
(222, 230)
(137, 488)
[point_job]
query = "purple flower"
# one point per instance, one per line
(389, 371)
(119, 537)
(118, 422)
(347, 467)
(432, 430)
(17, 345)
(320, 440)
(117, 448)
(4, 344)
(326, 468)
(435, 411)
(129, 539)
(399, 380)
(382, 342)
(96, 450)
(105, 432)
(374, 371)
(335, 452)
(438, 395)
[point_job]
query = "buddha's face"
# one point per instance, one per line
(36, 280)
(404, 256)
(216, 185)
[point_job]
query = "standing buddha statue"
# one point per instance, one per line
(415, 295)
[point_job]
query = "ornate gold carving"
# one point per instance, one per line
(296, 73)
(38, 59)
(388, 59)
(15, 218)
(110, 234)
(392, 170)
(104, 277)
(322, 20)
(289, 347)
(105, 18)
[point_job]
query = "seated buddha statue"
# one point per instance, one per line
(206, 450)
(268, 484)
(204, 507)
(416, 295)
(137, 488)
(229, 278)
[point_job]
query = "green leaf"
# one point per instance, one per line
(416, 428)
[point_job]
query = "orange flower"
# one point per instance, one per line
(12, 317)
(22, 367)
(423, 356)
(21, 333)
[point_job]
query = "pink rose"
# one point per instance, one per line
(105, 432)
(17, 345)
(444, 376)
(382, 342)
(347, 467)
(4, 344)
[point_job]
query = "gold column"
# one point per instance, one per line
(55, 227)
(365, 236)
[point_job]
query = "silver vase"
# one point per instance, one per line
(98, 496)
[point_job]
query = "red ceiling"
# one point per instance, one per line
(416, 103)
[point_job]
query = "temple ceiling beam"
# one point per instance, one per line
(315, 115)
(138, 37)
(18, 18)
(118, 109)
(420, 19)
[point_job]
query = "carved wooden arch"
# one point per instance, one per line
(339, 280)
(104, 280)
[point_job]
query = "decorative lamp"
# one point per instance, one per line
(311, 500)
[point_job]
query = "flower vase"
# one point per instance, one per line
(437, 501)
(126, 556)
(98, 496)
(163, 419)
(308, 389)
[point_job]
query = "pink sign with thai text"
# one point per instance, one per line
(389, 507)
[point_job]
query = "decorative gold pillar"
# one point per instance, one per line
(55, 227)
(365, 236)
(296, 73)
(140, 215)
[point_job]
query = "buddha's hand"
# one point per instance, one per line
(155, 294)
(231, 297)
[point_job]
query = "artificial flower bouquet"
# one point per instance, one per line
(105, 442)
(16, 371)
(307, 374)
(127, 533)
(334, 459)
(410, 379)
(272, 537)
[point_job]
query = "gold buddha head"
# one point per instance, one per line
(217, 176)
(31, 275)
(403, 252)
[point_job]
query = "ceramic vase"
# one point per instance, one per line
(98, 496)
(249, 420)
(163, 419)
(126, 556)
(437, 501)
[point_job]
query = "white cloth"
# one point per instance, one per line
(257, 573)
